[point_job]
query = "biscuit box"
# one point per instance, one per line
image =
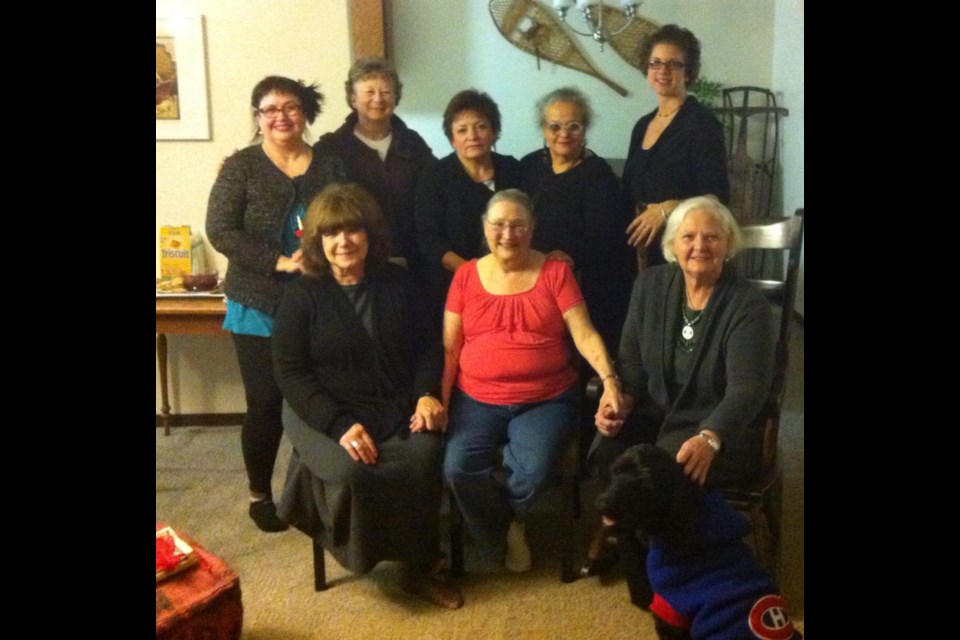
(181, 252)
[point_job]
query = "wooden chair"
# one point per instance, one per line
(756, 498)
(567, 474)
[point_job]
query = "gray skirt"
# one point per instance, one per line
(364, 514)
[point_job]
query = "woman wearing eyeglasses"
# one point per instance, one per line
(253, 218)
(677, 150)
(509, 377)
(574, 194)
(380, 152)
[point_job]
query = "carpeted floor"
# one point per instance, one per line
(201, 490)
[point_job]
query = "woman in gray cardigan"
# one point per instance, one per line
(696, 355)
(253, 218)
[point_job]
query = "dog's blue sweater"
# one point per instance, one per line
(719, 592)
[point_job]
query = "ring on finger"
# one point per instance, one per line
(354, 444)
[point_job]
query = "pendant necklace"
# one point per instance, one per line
(687, 332)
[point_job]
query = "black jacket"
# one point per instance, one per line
(392, 182)
(333, 373)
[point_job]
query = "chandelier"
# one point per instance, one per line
(593, 12)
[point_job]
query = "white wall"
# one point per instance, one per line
(435, 61)
(788, 80)
(245, 41)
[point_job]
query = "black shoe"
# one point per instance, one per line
(264, 513)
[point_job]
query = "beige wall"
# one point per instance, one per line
(245, 41)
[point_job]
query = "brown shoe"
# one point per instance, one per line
(430, 588)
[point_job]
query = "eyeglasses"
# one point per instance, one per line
(572, 128)
(515, 227)
(672, 65)
(289, 110)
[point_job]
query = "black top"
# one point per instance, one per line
(392, 182)
(730, 368)
(689, 159)
(576, 212)
(449, 206)
(334, 373)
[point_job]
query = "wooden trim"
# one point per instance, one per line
(365, 18)
(204, 420)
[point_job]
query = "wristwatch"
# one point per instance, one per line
(711, 440)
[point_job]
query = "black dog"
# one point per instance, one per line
(704, 583)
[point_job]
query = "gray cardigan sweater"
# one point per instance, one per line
(246, 213)
(732, 365)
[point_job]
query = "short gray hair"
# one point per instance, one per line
(565, 94)
(365, 68)
(517, 197)
(712, 207)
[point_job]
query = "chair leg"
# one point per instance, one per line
(762, 538)
(319, 567)
(456, 537)
(571, 513)
(576, 497)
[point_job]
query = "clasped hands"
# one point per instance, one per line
(696, 455)
(430, 415)
(612, 413)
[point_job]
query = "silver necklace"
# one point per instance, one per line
(686, 333)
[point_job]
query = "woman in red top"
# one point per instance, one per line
(509, 376)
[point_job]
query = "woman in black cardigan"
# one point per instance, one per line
(360, 375)
(695, 358)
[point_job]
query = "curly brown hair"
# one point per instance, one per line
(339, 207)
(679, 37)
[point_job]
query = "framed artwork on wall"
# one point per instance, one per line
(182, 108)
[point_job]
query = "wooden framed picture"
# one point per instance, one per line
(182, 107)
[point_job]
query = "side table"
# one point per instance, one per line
(197, 315)
(200, 602)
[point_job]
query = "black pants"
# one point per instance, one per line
(262, 425)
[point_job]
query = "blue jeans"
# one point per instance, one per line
(533, 436)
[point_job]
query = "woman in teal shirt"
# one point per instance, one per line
(253, 218)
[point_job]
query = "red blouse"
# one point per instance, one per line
(516, 348)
